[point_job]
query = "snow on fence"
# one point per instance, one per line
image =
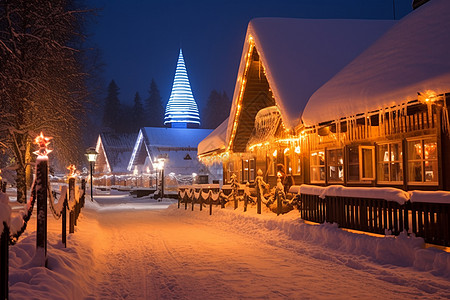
(375, 210)
(256, 194)
(379, 210)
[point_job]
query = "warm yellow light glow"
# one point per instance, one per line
(297, 149)
(72, 170)
(43, 142)
(275, 153)
(286, 150)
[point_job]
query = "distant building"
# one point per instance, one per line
(181, 110)
(114, 151)
(171, 149)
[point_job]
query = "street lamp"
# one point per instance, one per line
(91, 155)
(161, 161)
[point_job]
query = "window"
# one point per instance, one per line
(296, 165)
(390, 166)
(353, 163)
(244, 169)
(248, 170)
(335, 165)
(317, 166)
(252, 170)
(287, 162)
(230, 170)
(422, 161)
(367, 162)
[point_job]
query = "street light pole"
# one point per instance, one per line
(91, 155)
(92, 172)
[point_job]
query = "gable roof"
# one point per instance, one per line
(172, 143)
(215, 141)
(413, 56)
(299, 55)
(117, 149)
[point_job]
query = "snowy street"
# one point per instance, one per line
(142, 251)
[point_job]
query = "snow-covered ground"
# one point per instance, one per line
(128, 248)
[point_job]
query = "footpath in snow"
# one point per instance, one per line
(125, 248)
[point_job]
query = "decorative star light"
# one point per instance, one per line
(43, 142)
(72, 170)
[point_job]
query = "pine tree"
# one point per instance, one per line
(216, 110)
(138, 113)
(111, 113)
(154, 108)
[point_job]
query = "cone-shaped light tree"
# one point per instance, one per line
(181, 109)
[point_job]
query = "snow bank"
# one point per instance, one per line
(67, 275)
(389, 194)
(403, 250)
(430, 196)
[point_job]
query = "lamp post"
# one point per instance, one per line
(161, 161)
(91, 155)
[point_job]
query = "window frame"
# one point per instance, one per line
(422, 161)
(390, 162)
(319, 166)
(361, 163)
(337, 165)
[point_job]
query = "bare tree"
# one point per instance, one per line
(42, 83)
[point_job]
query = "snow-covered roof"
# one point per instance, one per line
(117, 149)
(215, 140)
(300, 55)
(413, 56)
(177, 145)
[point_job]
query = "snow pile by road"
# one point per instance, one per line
(67, 276)
(403, 250)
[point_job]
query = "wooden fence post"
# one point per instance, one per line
(4, 262)
(185, 201)
(64, 222)
(72, 211)
(279, 203)
(210, 203)
(41, 195)
(258, 197)
(179, 199)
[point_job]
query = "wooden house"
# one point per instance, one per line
(284, 61)
(175, 148)
(383, 119)
(114, 152)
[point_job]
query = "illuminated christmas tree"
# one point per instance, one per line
(181, 110)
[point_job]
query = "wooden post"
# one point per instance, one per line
(179, 199)
(41, 195)
(200, 198)
(279, 202)
(185, 201)
(64, 222)
(258, 197)
(4, 262)
(72, 211)
(210, 203)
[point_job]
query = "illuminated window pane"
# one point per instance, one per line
(415, 171)
(431, 171)
(335, 165)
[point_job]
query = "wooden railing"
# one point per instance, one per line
(430, 221)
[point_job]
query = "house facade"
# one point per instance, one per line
(283, 62)
(380, 118)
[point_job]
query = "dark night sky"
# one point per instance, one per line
(139, 40)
